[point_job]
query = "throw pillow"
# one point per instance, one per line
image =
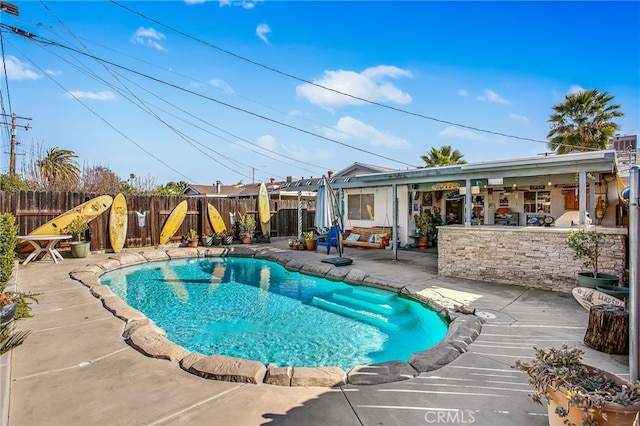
(372, 238)
(352, 237)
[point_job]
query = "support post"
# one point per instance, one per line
(634, 273)
(582, 196)
(394, 233)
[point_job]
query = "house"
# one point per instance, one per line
(276, 191)
(506, 221)
(534, 191)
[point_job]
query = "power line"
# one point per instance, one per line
(42, 40)
(302, 80)
(107, 122)
(144, 105)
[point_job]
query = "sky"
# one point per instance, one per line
(206, 91)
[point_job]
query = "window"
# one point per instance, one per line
(360, 206)
(537, 202)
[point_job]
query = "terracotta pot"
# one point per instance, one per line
(246, 239)
(311, 244)
(192, 243)
(617, 414)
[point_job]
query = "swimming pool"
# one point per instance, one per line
(256, 309)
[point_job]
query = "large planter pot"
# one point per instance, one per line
(586, 279)
(621, 293)
(246, 239)
(80, 249)
(616, 414)
(311, 244)
(192, 243)
(227, 240)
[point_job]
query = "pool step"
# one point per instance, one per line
(383, 306)
(387, 321)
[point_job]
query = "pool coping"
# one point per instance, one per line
(149, 339)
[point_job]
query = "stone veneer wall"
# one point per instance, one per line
(532, 257)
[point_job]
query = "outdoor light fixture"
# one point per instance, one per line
(549, 183)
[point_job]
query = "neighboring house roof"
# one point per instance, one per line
(237, 191)
(362, 169)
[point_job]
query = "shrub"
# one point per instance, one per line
(8, 243)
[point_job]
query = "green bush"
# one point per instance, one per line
(8, 243)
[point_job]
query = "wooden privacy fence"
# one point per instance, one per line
(146, 214)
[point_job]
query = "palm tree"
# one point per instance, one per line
(583, 122)
(59, 168)
(444, 156)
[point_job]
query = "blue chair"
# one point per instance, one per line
(328, 240)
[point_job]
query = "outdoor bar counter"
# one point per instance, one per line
(530, 256)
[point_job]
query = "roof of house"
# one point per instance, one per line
(242, 190)
(362, 168)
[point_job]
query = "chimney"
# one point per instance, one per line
(218, 187)
(330, 173)
(272, 180)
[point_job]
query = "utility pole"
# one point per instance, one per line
(14, 126)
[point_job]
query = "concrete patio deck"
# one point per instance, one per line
(75, 368)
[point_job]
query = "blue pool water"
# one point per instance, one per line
(256, 309)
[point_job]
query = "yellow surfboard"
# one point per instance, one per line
(264, 212)
(89, 210)
(173, 222)
(118, 222)
(216, 220)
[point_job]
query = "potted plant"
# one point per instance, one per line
(578, 394)
(247, 227)
(227, 237)
(192, 238)
(424, 226)
(77, 227)
(310, 240)
(218, 237)
(585, 244)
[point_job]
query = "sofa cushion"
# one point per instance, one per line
(353, 237)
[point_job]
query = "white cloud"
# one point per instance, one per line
(99, 96)
(190, 2)
(350, 127)
(457, 133)
(148, 37)
(245, 4)
(371, 84)
(17, 70)
(221, 84)
(575, 89)
(261, 31)
(267, 142)
(520, 118)
(53, 72)
(491, 96)
(463, 92)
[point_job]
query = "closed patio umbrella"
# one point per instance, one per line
(327, 212)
